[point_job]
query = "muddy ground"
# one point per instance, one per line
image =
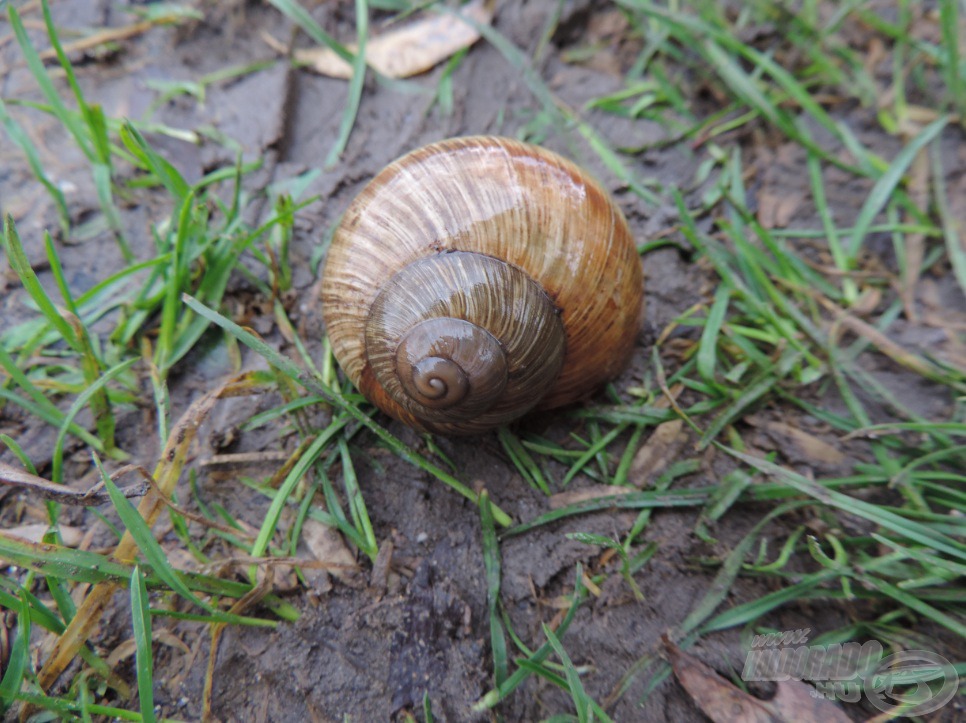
(368, 647)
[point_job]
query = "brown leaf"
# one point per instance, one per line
(409, 50)
(379, 577)
(717, 698)
(776, 209)
(128, 647)
(71, 536)
(867, 303)
(798, 701)
(327, 546)
(655, 454)
(722, 701)
(808, 447)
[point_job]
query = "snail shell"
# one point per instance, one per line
(477, 278)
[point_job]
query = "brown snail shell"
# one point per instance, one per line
(477, 278)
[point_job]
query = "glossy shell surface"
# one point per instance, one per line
(513, 202)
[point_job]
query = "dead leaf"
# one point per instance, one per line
(379, 577)
(717, 698)
(798, 701)
(129, 647)
(71, 536)
(327, 546)
(657, 452)
(776, 209)
(808, 447)
(406, 51)
(867, 303)
(722, 701)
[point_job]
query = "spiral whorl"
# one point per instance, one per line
(432, 381)
(444, 362)
(464, 341)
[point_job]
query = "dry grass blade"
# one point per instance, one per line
(887, 346)
(253, 597)
(915, 243)
(62, 494)
(110, 35)
(167, 474)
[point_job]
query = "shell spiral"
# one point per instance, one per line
(477, 278)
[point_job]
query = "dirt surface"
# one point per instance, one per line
(368, 646)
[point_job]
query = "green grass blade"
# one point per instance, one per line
(144, 659)
(577, 692)
(832, 234)
(592, 451)
(152, 161)
(89, 567)
(39, 613)
(18, 660)
(874, 513)
(20, 264)
(539, 656)
(491, 565)
(20, 138)
(914, 603)
(356, 84)
(103, 185)
(76, 407)
(954, 230)
(882, 191)
(718, 590)
(356, 502)
(955, 79)
(99, 151)
(707, 349)
(57, 270)
(755, 391)
(70, 120)
(62, 562)
(71, 710)
(144, 538)
(633, 500)
(315, 450)
(300, 16)
(521, 459)
(810, 586)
